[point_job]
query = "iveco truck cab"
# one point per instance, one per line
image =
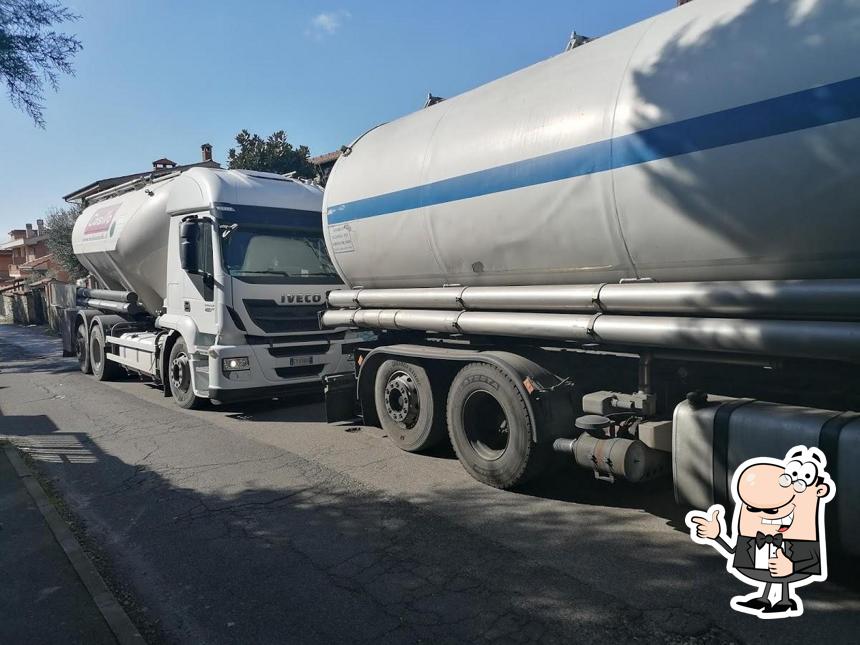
(212, 282)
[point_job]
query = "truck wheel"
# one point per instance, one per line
(83, 349)
(491, 428)
(103, 369)
(409, 410)
(179, 377)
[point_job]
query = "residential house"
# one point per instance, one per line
(42, 268)
(324, 164)
(24, 245)
(5, 262)
(26, 270)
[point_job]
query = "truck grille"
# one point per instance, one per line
(273, 318)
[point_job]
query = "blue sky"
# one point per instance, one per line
(159, 78)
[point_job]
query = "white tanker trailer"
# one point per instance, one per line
(557, 258)
(213, 282)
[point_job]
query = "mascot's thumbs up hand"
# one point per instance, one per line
(706, 527)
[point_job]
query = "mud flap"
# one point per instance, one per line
(341, 403)
(68, 330)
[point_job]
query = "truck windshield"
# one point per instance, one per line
(273, 255)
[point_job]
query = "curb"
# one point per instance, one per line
(116, 618)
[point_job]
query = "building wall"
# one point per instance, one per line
(26, 253)
(23, 309)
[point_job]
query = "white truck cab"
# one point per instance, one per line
(229, 271)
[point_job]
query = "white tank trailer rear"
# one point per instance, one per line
(572, 256)
(211, 283)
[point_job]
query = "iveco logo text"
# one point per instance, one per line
(293, 299)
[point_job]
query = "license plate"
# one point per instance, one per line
(301, 360)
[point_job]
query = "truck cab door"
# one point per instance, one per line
(199, 290)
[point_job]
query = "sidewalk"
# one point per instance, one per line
(42, 599)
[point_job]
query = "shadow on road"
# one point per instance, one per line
(299, 408)
(320, 557)
(26, 349)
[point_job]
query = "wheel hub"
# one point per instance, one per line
(180, 374)
(401, 399)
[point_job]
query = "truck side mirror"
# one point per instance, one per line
(189, 235)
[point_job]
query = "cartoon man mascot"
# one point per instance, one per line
(778, 522)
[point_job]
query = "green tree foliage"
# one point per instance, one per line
(32, 53)
(59, 223)
(273, 154)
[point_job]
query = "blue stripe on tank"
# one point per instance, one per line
(781, 115)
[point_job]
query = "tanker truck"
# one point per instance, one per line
(639, 255)
(212, 284)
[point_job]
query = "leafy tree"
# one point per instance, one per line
(32, 54)
(59, 224)
(274, 154)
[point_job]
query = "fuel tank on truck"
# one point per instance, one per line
(123, 240)
(716, 141)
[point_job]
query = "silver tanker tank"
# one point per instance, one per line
(123, 240)
(716, 141)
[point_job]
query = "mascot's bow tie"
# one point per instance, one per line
(761, 539)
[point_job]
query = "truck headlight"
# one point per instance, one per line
(235, 364)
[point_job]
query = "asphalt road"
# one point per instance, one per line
(261, 523)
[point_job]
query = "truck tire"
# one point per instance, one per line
(491, 428)
(103, 369)
(82, 342)
(179, 377)
(409, 409)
